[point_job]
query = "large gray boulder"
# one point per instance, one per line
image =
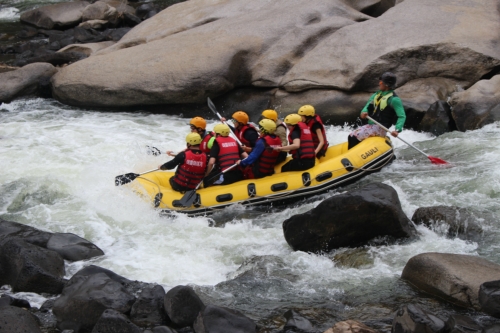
(100, 10)
(451, 221)
(416, 39)
(182, 305)
(200, 48)
(24, 81)
(72, 247)
(206, 48)
(85, 298)
(30, 268)
(477, 106)
(437, 119)
(348, 220)
(69, 246)
(57, 16)
(16, 320)
(149, 310)
(453, 277)
(216, 319)
(113, 321)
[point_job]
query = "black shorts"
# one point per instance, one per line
(299, 164)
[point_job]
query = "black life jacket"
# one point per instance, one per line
(381, 110)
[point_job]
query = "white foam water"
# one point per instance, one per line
(9, 14)
(58, 169)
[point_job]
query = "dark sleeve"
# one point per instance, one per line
(178, 160)
(251, 136)
(296, 133)
(315, 127)
(214, 151)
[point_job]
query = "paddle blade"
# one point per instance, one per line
(436, 160)
(153, 151)
(211, 105)
(125, 179)
(188, 198)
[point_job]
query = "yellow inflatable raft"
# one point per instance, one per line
(337, 167)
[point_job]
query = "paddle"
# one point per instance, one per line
(128, 177)
(153, 151)
(190, 196)
(214, 110)
(434, 160)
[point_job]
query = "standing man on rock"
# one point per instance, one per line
(385, 107)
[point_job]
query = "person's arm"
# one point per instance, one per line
(295, 141)
(281, 133)
(214, 152)
(295, 145)
(321, 139)
(178, 160)
(255, 154)
(365, 108)
(397, 105)
(210, 165)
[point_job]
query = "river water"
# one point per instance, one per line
(58, 169)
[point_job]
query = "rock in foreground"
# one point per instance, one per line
(349, 220)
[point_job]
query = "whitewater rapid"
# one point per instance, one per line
(58, 168)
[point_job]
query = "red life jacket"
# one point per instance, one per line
(268, 158)
(229, 151)
(306, 149)
(240, 134)
(315, 138)
(191, 172)
(204, 143)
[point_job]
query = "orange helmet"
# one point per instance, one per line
(241, 117)
(198, 122)
(270, 114)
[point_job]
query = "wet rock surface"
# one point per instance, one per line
(455, 278)
(349, 220)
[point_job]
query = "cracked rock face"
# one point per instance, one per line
(204, 48)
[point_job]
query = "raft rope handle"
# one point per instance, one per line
(332, 171)
(157, 185)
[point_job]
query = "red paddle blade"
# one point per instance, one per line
(436, 160)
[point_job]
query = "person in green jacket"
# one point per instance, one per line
(385, 107)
